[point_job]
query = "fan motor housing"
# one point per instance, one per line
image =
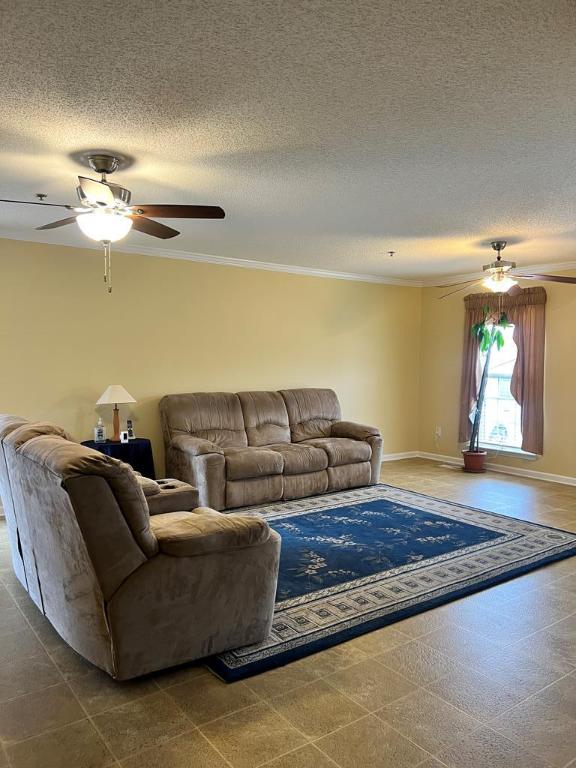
(499, 266)
(122, 196)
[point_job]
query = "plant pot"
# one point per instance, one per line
(474, 461)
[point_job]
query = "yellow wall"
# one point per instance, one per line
(179, 326)
(392, 353)
(441, 355)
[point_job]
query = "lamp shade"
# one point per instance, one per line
(115, 394)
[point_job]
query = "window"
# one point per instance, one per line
(501, 419)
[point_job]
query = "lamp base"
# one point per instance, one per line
(116, 425)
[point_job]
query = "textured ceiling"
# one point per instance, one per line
(330, 131)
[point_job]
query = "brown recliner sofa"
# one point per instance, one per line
(130, 592)
(256, 447)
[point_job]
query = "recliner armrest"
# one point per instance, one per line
(205, 531)
(172, 496)
(353, 431)
(194, 446)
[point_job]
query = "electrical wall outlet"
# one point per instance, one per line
(438, 432)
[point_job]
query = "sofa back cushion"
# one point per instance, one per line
(213, 416)
(265, 418)
(64, 459)
(61, 577)
(311, 412)
(30, 429)
(15, 432)
(8, 424)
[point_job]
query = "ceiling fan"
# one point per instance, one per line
(106, 215)
(499, 278)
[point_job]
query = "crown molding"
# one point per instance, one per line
(229, 261)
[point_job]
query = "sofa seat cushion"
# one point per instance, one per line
(299, 458)
(342, 450)
(244, 463)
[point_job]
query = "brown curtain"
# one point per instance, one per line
(527, 311)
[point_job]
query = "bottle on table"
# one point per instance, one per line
(100, 432)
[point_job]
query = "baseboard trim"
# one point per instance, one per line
(505, 469)
(398, 456)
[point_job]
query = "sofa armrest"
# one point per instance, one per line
(194, 446)
(353, 431)
(205, 531)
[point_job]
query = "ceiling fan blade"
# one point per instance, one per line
(60, 223)
(550, 278)
(453, 285)
(463, 286)
(35, 202)
(154, 228)
(96, 191)
(180, 211)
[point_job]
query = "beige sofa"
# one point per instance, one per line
(256, 447)
(130, 592)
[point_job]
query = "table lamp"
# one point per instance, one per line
(115, 394)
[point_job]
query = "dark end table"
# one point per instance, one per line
(136, 452)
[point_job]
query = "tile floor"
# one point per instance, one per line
(487, 681)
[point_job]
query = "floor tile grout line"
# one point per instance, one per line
(72, 691)
(517, 743)
(535, 693)
(193, 729)
(215, 748)
(228, 714)
(489, 723)
(368, 713)
(259, 702)
(523, 637)
(388, 725)
(323, 676)
(193, 726)
(292, 751)
(36, 690)
(542, 629)
(469, 667)
(478, 726)
(9, 744)
(477, 720)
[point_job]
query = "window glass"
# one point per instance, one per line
(500, 424)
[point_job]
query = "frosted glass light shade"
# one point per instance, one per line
(102, 224)
(499, 283)
(115, 394)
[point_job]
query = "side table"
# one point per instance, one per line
(137, 453)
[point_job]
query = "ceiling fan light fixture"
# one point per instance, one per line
(104, 225)
(499, 282)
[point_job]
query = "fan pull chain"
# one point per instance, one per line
(107, 264)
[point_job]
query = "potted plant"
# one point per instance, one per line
(488, 332)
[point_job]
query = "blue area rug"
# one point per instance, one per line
(354, 561)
